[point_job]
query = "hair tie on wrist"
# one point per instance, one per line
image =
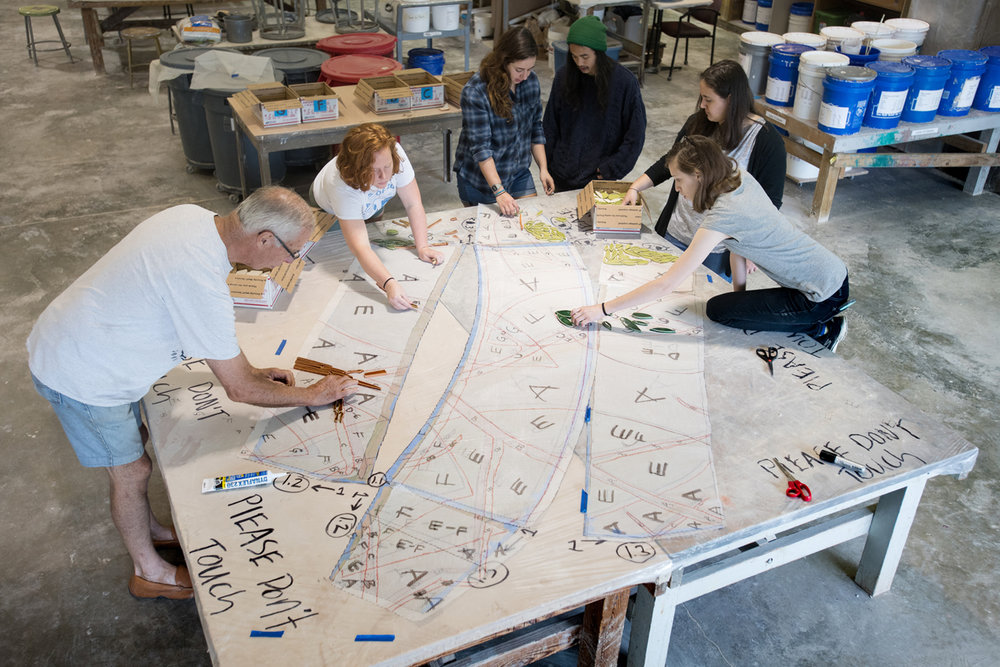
(604, 310)
(386, 282)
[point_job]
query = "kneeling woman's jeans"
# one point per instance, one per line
(776, 309)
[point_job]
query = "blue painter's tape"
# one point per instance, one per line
(583, 501)
(281, 347)
(709, 277)
(374, 638)
(267, 633)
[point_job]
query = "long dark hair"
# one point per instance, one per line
(727, 79)
(573, 81)
(700, 156)
(515, 44)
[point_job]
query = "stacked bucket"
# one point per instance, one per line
(868, 74)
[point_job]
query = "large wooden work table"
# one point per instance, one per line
(352, 112)
(977, 134)
(813, 398)
(94, 27)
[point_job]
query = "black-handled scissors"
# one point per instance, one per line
(796, 489)
(768, 354)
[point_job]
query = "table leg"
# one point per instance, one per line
(652, 622)
(265, 166)
(657, 34)
(826, 185)
(601, 633)
(239, 160)
(976, 179)
(95, 39)
(446, 159)
(886, 537)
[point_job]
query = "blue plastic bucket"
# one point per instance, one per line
(845, 97)
(889, 95)
(783, 73)
(988, 94)
(867, 55)
(431, 60)
(967, 69)
(929, 76)
(763, 15)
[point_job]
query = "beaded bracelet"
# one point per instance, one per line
(386, 282)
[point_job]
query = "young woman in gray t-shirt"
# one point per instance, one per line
(813, 285)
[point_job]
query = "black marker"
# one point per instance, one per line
(831, 457)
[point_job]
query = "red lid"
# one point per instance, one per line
(342, 70)
(358, 42)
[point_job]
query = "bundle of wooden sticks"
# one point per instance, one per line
(319, 368)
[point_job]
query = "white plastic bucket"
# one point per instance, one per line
(874, 30)
(416, 19)
(754, 49)
(749, 12)
(799, 169)
(444, 17)
(912, 30)
(812, 71)
(807, 38)
(482, 25)
(894, 50)
(848, 39)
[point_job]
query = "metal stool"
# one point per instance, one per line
(30, 11)
(141, 32)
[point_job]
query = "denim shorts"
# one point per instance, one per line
(101, 437)
(520, 185)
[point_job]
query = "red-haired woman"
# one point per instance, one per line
(502, 127)
(355, 186)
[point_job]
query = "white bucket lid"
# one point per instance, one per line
(807, 38)
(841, 33)
(761, 38)
(910, 25)
(820, 59)
(895, 46)
(873, 28)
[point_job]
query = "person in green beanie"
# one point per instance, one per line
(595, 120)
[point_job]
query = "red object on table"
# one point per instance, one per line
(369, 43)
(347, 70)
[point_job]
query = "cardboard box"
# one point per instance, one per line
(274, 104)
(610, 220)
(260, 289)
(427, 90)
(384, 94)
(453, 84)
(319, 101)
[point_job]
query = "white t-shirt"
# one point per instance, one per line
(156, 298)
(347, 203)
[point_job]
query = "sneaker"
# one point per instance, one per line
(834, 332)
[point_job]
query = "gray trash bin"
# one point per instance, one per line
(189, 110)
(222, 135)
(300, 66)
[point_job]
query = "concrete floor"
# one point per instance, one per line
(86, 158)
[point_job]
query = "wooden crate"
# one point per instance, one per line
(453, 84)
(609, 217)
(384, 94)
(319, 101)
(427, 90)
(274, 104)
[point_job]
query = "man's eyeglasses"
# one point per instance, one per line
(293, 255)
